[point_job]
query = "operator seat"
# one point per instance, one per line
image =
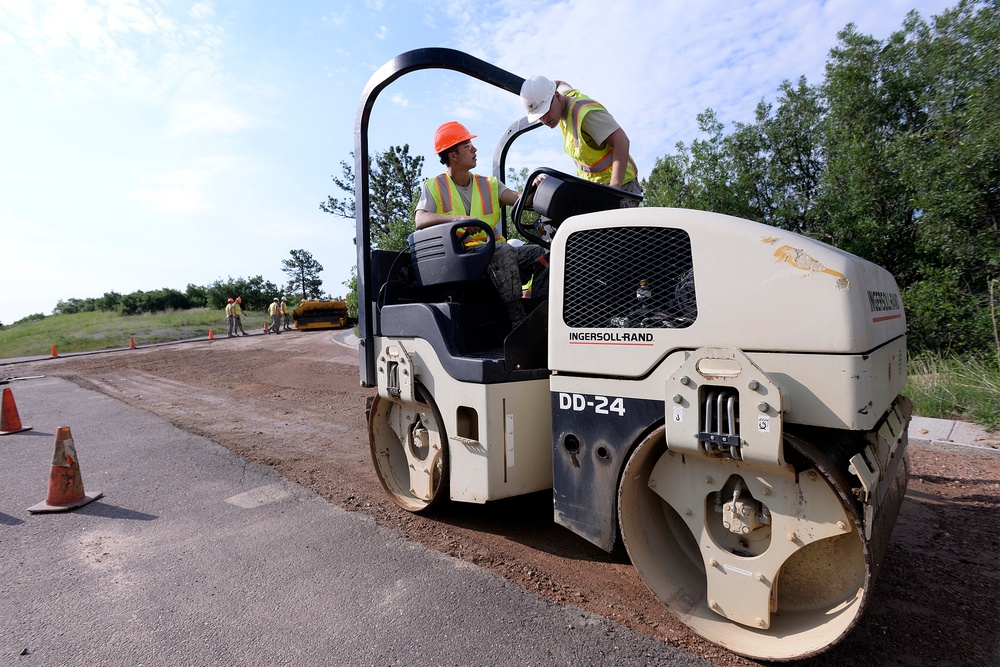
(450, 302)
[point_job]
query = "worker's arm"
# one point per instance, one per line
(424, 219)
(619, 143)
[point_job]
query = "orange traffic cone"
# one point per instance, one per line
(54, 353)
(131, 343)
(9, 421)
(65, 482)
(211, 336)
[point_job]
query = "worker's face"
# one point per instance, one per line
(552, 116)
(465, 155)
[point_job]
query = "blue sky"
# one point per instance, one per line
(150, 144)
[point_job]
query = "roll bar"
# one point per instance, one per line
(411, 61)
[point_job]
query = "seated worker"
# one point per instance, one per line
(458, 193)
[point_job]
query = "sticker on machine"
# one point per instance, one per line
(763, 424)
(736, 570)
(509, 439)
(678, 414)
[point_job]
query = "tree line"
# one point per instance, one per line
(255, 293)
(894, 157)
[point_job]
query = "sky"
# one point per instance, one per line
(148, 144)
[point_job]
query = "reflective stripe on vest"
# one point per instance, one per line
(485, 202)
(591, 163)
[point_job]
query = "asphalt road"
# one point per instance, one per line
(196, 557)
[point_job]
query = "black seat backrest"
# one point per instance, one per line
(439, 256)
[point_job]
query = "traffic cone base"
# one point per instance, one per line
(10, 422)
(65, 481)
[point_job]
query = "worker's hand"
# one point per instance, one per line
(539, 179)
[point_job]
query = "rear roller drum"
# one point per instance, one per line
(408, 449)
(767, 562)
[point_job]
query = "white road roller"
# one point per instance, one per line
(720, 395)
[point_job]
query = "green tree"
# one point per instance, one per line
(255, 292)
(394, 179)
(303, 274)
(895, 157)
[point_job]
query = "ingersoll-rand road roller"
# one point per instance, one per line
(719, 395)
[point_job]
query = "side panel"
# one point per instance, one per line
(591, 438)
(499, 435)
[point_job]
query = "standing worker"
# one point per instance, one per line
(457, 194)
(591, 135)
(274, 310)
(286, 317)
(230, 315)
(238, 317)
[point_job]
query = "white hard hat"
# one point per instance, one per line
(536, 96)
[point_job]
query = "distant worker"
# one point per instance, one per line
(238, 317)
(286, 315)
(230, 316)
(274, 310)
(591, 135)
(457, 194)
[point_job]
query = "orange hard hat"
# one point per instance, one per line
(239, 300)
(450, 134)
(230, 300)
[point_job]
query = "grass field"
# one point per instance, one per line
(951, 388)
(83, 332)
(942, 387)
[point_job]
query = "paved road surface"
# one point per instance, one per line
(197, 557)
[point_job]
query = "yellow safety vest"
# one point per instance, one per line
(229, 309)
(485, 202)
(594, 164)
(237, 311)
(273, 309)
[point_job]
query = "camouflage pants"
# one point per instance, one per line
(633, 187)
(512, 267)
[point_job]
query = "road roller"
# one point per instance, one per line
(718, 396)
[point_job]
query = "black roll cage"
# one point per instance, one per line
(411, 61)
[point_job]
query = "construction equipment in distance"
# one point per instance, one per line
(718, 395)
(321, 314)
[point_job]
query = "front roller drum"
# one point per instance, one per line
(408, 447)
(768, 562)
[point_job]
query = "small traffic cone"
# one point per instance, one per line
(131, 343)
(54, 353)
(65, 482)
(10, 422)
(211, 336)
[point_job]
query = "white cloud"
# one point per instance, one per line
(399, 99)
(202, 10)
(382, 32)
(209, 117)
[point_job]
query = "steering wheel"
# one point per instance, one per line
(562, 198)
(531, 233)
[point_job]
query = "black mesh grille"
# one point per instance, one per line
(629, 277)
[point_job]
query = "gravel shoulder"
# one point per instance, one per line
(293, 402)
